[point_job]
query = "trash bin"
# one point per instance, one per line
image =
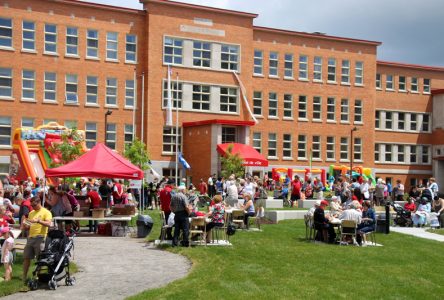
(144, 225)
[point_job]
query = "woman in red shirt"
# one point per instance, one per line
(410, 205)
(94, 202)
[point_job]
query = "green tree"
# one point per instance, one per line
(232, 164)
(70, 147)
(137, 154)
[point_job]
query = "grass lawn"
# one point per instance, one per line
(278, 263)
(16, 284)
(437, 231)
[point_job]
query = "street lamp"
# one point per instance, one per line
(107, 113)
(351, 151)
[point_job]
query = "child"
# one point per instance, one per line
(7, 257)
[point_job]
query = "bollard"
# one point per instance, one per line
(387, 218)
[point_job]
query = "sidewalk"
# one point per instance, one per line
(418, 232)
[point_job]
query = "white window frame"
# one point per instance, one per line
(331, 109)
(388, 120)
(112, 46)
(69, 81)
(402, 86)
(257, 141)
(317, 69)
(330, 148)
(169, 133)
(378, 119)
(344, 149)
(400, 153)
(176, 55)
(331, 70)
(345, 72)
(345, 111)
(202, 54)
(50, 87)
(425, 123)
(359, 112)
(272, 105)
(28, 84)
(111, 135)
(176, 94)
(258, 62)
(413, 154)
(388, 153)
(130, 53)
(6, 122)
(302, 147)
(377, 156)
(92, 37)
(357, 149)
(257, 103)
(359, 73)
(426, 85)
(6, 38)
(401, 121)
(111, 85)
(287, 152)
(317, 109)
(272, 145)
(72, 41)
(201, 97)
(303, 67)
(316, 148)
(413, 122)
(90, 129)
(128, 134)
(229, 57)
(27, 122)
(49, 43)
(129, 93)
(273, 64)
(47, 121)
(288, 66)
(288, 106)
(228, 100)
(92, 83)
(425, 152)
(302, 108)
(28, 35)
(70, 124)
(378, 81)
(389, 82)
(414, 85)
(7, 76)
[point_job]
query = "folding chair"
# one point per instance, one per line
(238, 217)
(348, 227)
(308, 227)
(197, 226)
(254, 221)
(163, 229)
(221, 231)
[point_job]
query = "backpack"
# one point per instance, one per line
(231, 229)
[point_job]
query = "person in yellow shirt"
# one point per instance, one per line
(38, 222)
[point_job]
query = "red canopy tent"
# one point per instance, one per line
(250, 155)
(99, 162)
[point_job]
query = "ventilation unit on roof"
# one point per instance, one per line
(319, 33)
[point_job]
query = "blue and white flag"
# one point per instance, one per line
(183, 161)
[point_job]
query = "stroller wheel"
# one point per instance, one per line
(52, 284)
(70, 281)
(33, 285)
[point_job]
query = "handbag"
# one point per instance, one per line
(231, 229)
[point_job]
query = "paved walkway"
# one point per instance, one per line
(115, 268)
(418, 232)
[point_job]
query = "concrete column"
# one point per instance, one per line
(215, 99)
(187, 96)
(188, 53)
(215, 56)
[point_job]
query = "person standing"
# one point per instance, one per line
(399, 191)
(6, 251)
(203, 187)
(379, 193)
(165, 201)
(153, 187)
(433, 186)
(295, 190)
(94, 202)
(179, 206)
(39, 221)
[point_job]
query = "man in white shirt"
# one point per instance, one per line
(351, 214)
(399, 190)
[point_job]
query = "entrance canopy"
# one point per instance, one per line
(99, 162)
(250, 155)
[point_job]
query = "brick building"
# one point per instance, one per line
(72, 61)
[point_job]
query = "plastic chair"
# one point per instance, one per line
(163, 229)
(372, 236)
(198, 226)
(238, 217)
(308, 227)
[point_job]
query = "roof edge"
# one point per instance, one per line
(315, 35)
(202, 7)
(101, 6)
(437, 92)
(219, 121)
(411, 66)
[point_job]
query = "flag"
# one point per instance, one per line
(183, 161)
(169, 112)
(154, 173)
(244, 96)
(311, 159)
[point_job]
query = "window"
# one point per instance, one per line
(378, 81)
(377, 119)
(388, 153)
(401, 155)
(317, 108)
(345, 72)
(111, 45)
(257, 103)
(316, 148)
(201, 54)
(377, 152)
(331, 148)
(401, 83)
(331, 70)
(413, 122)
(72, 41)
(28, 122)
(258, 62)
(5, 131)
(317, 68)
(302, 114)
(302, 147)
(359, 73)
(5, 32)
(388, 120)
(47, 121)
(169, 140)
(413, 155)
(288, 106)
(50, 86)
(90, 134)
(357, 149)
(331, 109)
(28, 85)
(28, 35)
(303, 67)
(425, 157)
(229, 57)
(228, 99)
(358, 111)
(129, 93)
(426, 123)
(426, 86)
(286, 146)
(257, 141)
(176, 94)
(70, 124)
(344, 111)
(71, 88)
(273, 64)
(172, 51)
(6, 82)
(128, 134)
(414, 85)
(288, 65)
(111, 129)
(131, 48)
(91, 89)
(201, 97)
(111, 92)
(344, 148)
(401, 121)
(272, 145)
(50, 38)
(92, 43)
(389, 82)
(272, 105)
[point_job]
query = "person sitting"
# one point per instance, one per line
(368, 221)
(335, 207)
(248, 207)
(216, 215)
(438, 208)
(322, 223)
(410, 205)
(421, 214)
(352, 214)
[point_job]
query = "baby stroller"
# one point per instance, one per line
(403, 217)
(203, 201)
(53, 262)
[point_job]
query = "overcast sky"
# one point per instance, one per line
(411, 31)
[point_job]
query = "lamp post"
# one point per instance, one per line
(107, 113)
(351, 151)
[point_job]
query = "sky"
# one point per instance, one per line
(411, 31)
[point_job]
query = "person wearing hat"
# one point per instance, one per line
(322, 223)
(7, 256)
(180, 207)
(335, 207)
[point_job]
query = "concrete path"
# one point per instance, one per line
(418, 232)
(115, 268)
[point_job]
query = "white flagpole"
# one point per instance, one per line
(177, 124)
(134, 103)
(169, 112)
